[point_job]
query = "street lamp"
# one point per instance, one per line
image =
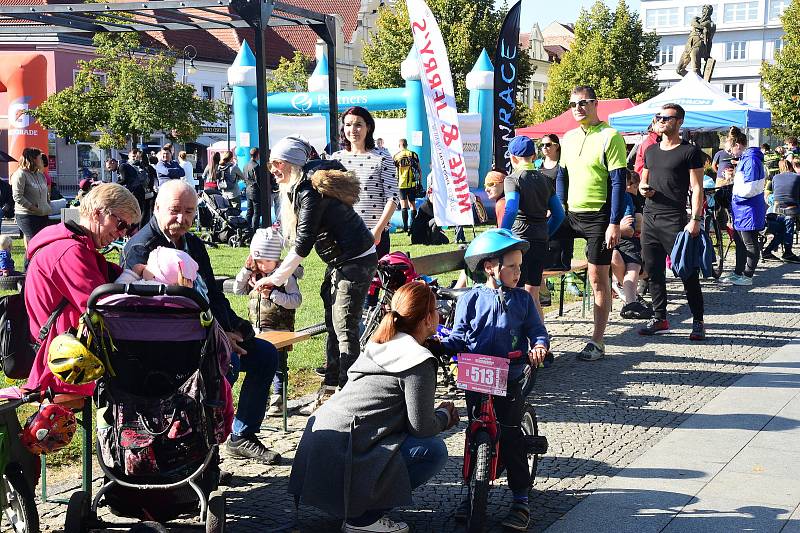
(189, 52)
(227, 97)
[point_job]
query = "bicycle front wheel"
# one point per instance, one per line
(479, 483)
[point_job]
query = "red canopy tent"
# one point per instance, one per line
(564, 122)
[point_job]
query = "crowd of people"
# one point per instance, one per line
(372, 435)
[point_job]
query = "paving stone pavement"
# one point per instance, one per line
(598, 416)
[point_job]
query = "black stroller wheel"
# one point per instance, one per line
(215, 513)
(20, 508)
(77, 513)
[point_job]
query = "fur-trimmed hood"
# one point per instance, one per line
(340, 184)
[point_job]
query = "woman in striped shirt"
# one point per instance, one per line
(374, 169)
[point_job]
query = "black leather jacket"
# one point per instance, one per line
(332, 227)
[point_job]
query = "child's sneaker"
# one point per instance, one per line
(518, 517)
(592, 352)
(698, 331)
(276, 406)
(383, 525)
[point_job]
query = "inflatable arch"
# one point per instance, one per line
(24, 80)
(476, 125)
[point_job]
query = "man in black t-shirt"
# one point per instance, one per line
(671, 168)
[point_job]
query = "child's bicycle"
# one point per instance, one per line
(19, 467)
(482, 460)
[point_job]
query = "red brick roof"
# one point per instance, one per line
(524, 40)
(555, 51)
(223, 45)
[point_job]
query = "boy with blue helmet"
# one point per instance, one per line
(496, 318)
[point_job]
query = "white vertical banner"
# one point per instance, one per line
(452, 205)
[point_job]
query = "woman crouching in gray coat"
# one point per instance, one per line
(372, 443)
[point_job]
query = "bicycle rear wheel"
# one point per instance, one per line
(479, 483)
(536, 444)
(20, 508)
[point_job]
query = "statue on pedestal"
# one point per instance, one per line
(698, 46)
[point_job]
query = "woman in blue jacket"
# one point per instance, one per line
(748, 207)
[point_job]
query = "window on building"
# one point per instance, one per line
(537, 94)
(667, 16)
(777, 46)
(777, 7)
(690, 12)
(740, 12)
(666, 54)
(664, 85)
(207, 92)
(736, 50)
(734, 89)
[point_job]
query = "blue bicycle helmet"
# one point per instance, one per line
(490, 244)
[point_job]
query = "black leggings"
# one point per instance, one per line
(748, 251)
(658, 236)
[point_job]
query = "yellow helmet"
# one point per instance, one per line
(72, 362)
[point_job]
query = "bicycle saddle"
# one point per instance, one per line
(452, 294)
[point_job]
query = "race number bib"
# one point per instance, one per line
(483, 373)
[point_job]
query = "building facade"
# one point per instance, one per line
(545, 47)
(203, 58)
(748, 33)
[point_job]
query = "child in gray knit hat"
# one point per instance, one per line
(271, 310)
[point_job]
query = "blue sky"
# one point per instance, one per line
(560, 10)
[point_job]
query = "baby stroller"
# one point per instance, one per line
(220, 221)
(159, 407)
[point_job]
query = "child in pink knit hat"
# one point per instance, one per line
(166, 266)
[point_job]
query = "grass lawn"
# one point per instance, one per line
(306, 355)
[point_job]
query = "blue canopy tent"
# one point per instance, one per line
(707, 109)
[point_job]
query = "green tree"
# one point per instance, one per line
(467, 27)
(611, 52)
(291, 75)
(780, 83)
(122, 94)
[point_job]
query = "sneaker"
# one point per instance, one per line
(320, 371)
(636, 310)
(383, 525)
(790, 258)
(769, 256)
(276, 406)
(252, 448)
(545, 301)
(573, 289)
(592, 352)
(728, 278)
(323, 395)
(698, 331)
(743, 281)
(654, 325)
(518, 517)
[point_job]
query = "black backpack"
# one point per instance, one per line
(16, 351)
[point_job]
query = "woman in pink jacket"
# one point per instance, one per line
(65, 264)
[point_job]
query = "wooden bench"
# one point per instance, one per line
(579, 267)
(283, 340)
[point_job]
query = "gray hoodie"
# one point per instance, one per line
(349, 460)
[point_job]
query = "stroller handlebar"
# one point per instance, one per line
(135, 289)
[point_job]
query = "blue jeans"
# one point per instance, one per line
(259, 364)
(783, 228)
(424, 459)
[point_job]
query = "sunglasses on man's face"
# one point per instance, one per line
(129, 229)
(665, 118)
(582, 103)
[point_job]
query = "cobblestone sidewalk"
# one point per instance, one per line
(597, 416)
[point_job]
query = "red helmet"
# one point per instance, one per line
(49, 429)
(397, 269)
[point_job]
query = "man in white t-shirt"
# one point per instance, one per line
(188, 170)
